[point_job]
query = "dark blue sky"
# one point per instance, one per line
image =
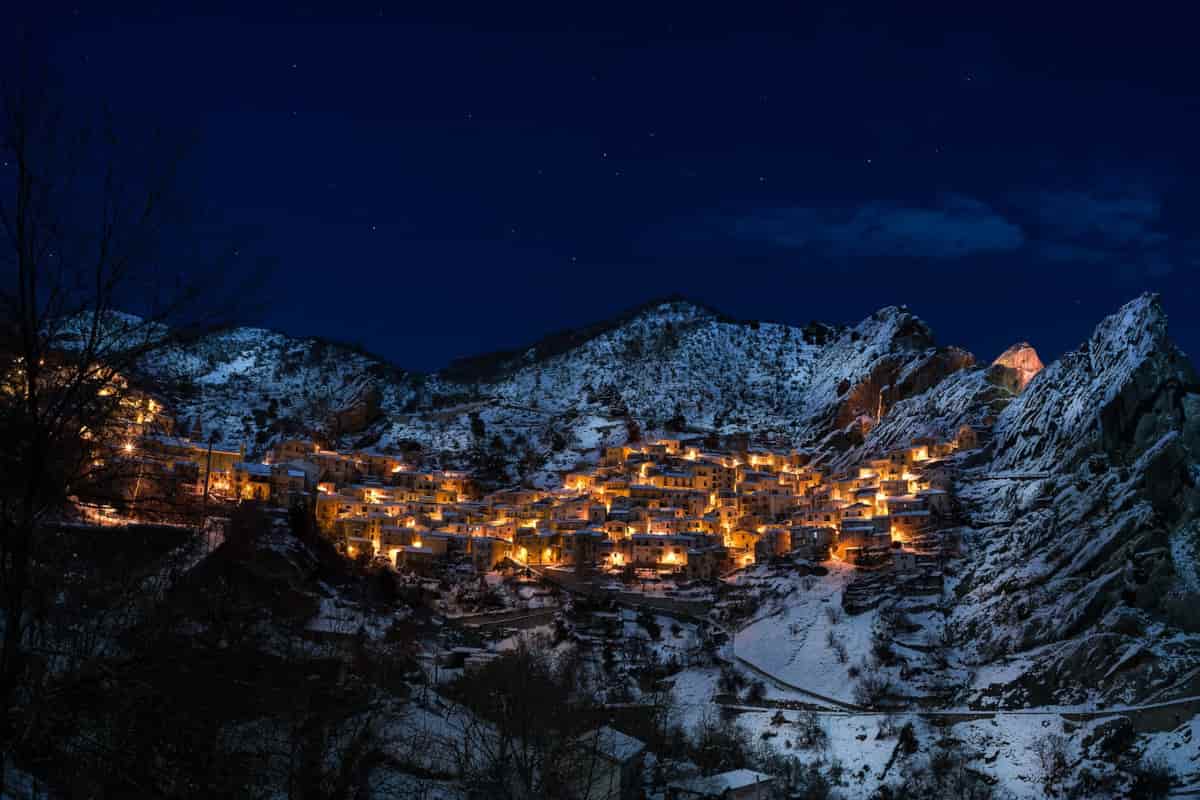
(436, 186)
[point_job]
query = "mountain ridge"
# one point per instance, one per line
(1085, 476)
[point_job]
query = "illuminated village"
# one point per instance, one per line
(692, 509)
(444, 403)
(720, 605)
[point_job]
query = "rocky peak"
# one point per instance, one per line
(1093, 469)
(1020, 363)
(896, 328)
(1101, 388)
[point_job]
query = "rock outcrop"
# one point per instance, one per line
(1019, 364)
(1083, 518)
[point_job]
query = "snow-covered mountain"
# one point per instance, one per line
(1083, 534)
(253, 387)
(1080, 579)
(1078, 512)
(530, 415)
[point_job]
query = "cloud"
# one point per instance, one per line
(1120, 227)
(1114, 218)
(955, 227)
(1116, 227)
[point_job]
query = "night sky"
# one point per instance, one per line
(453, 181)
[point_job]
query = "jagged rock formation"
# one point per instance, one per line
(1080, 515)
(1083, 570)
(1022, 362)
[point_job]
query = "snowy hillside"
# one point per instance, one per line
(1081, 570)
(672, 366)
(678, 367)
(1078, 511)
(253, 386)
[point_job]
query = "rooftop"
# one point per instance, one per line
(717, 785)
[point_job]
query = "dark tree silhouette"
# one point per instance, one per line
(84, 216)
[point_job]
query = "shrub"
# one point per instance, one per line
(719, 746)
(810, 733)
(872, 688)
(730, 681)
(756, 692)
(1050, 757)
(811, 784)
(881, 648)
(647, 621)
(1152, 779)
(837, 646)
(1089, 785)
(1119, 738)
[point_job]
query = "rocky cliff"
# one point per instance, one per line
(1081, 525)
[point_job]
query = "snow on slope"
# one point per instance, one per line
(672, 366)
(1056, 418)
(676, 366)
(1071, 564)
(254, 386)
(789, 641)
(1077, 581)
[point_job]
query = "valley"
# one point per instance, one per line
(836, 562)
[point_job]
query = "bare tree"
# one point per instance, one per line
(83, 224)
